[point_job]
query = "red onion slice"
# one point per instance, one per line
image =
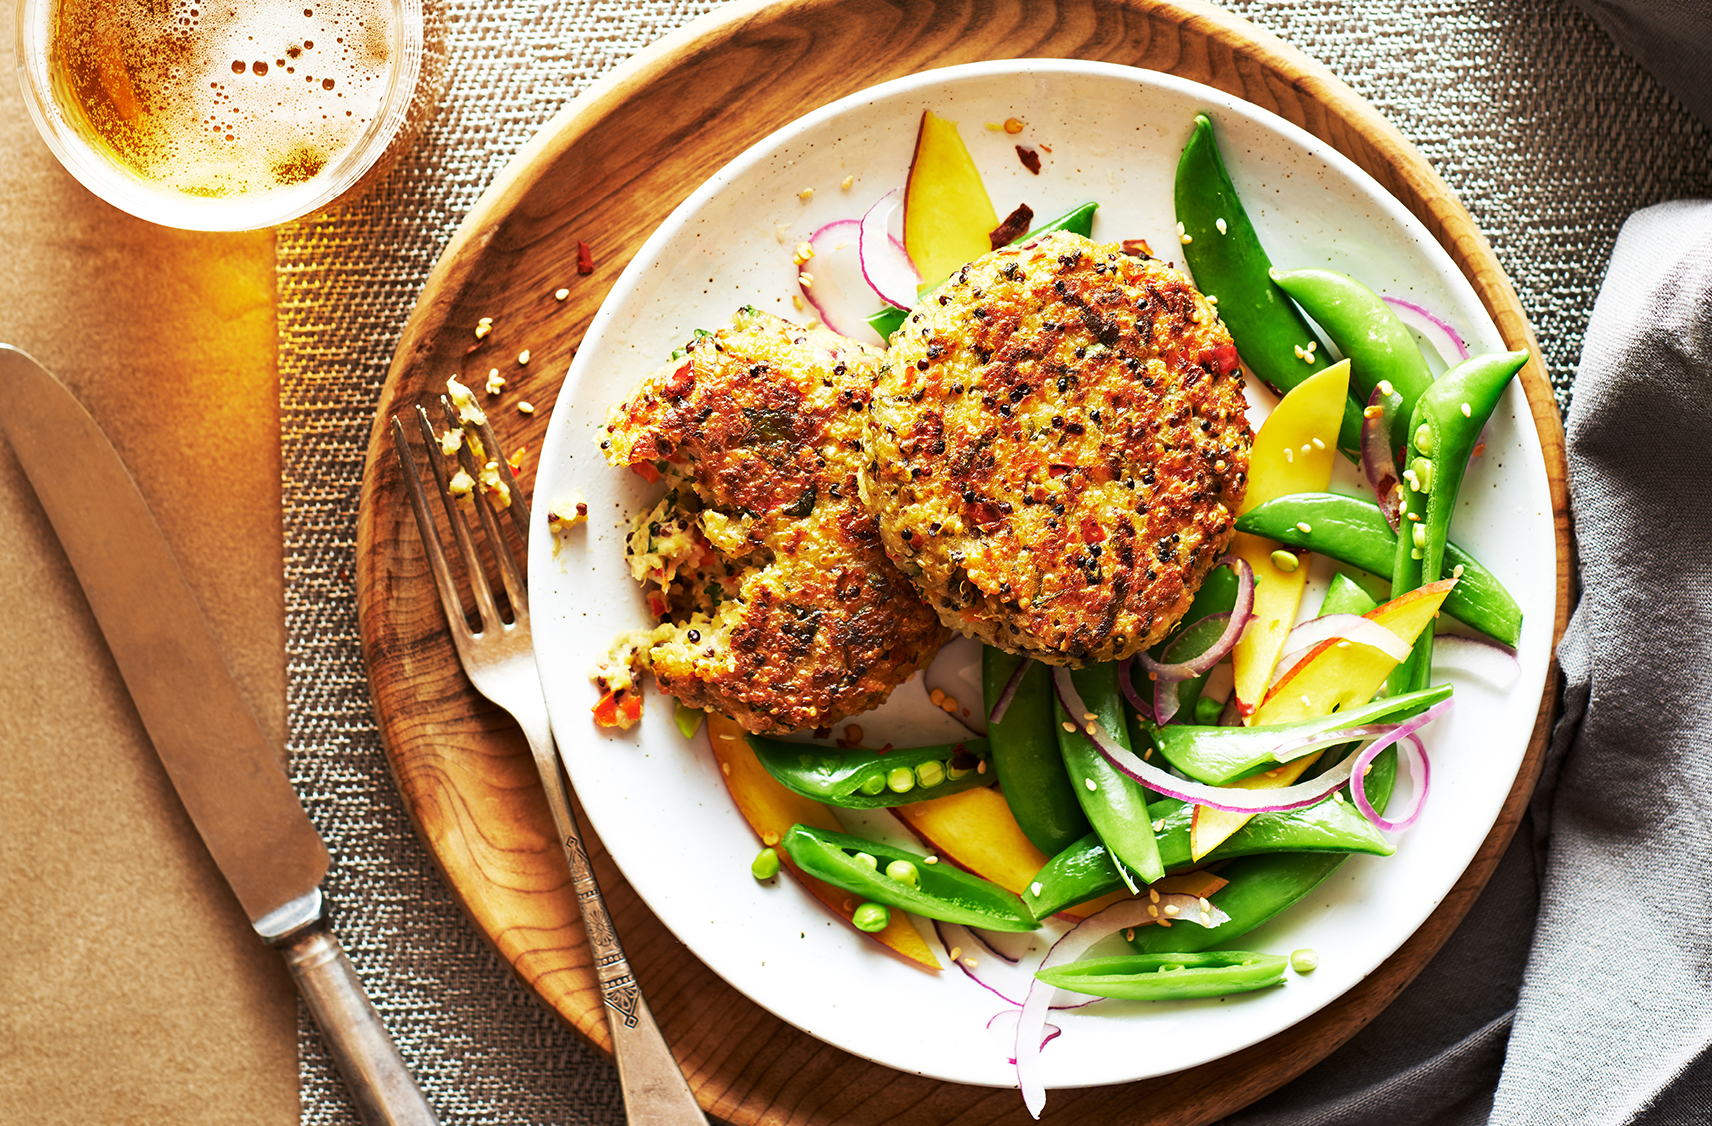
(960, 945)
(1003, 1025)
(1229, 799)
(1239, 615)
(1410, 746)
(1076, 942)
(1378, 459)
(1446, 341)
(1003, 703)
(1349, 627)
(886, 265)
(836, 266)
(1126, 682)
(1167, 694)
(1484, 659)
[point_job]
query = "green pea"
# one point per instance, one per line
(930, 774)
(954, 772)
(1285, 561)
(904, 873)
(900, 779)
(871, 917)
(1419, 532)
(867, 860)
(873, 784)
(765, 865)
(1207, 711)
(1304, 961)
(1423, 474)
(1424, 438)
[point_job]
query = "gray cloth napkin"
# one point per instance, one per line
(1613, 1022)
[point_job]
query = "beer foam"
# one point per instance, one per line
(226, 99)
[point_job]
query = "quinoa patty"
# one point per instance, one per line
(1057, 447)
(782, 608)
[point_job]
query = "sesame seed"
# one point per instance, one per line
(523, 358)
(1308, 447)
(846, 182)
(1318, 444)
(1159, 826)
(956, 953)
(1304, 527)
(1372, 412)
(1090, 717)
(1068, 726)
(806, 194)
(1338, 797)
(1129, 935)
(525, 407)
(970, 962)
(1220, 224)
(1385, 388)
(561, 294)
(1035, 889)
(1185, 239)
(1090, 783)
(1153, 895)
(1173, 909)
(1179, 228)
(731, 738)
(1312, 345)
(1307, 703)
(1299, 353)
(769, 839)
(1289, 454)
(1152, 910)
(804, 252)
(1456, 571)
(725, 768)
(1012, 125)
(806, 280)
(1467, 411)
(931, 860)
(1205, 906)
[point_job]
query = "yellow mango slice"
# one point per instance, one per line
(1293, 453)
(947, 213)
(1335, 674)
(975, 830)
(771, 810)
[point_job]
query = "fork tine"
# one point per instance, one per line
(512, 575)
(519, 507)
(460, 529)
(430, 533)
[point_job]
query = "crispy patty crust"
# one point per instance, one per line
(1057, 447)
(781, 607)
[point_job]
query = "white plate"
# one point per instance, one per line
(657, 800)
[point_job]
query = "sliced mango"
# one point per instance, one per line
(1335, 674)
(771, 810)
(947, 212)
(976, 830)
(1293, 453)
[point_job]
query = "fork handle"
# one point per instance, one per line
(654, 1087)
(381, 1086)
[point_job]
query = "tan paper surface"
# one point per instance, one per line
(132, 989)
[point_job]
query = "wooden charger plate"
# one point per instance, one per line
(606, 172)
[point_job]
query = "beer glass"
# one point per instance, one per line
(228, 116)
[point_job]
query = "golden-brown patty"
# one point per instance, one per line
(1057, 447)
(786, 611)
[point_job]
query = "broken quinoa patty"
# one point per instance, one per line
(780, 606)
(1057, 448)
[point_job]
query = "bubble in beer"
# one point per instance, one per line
(260, 68)
(237, 66)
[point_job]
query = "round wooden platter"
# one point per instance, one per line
(607, 171)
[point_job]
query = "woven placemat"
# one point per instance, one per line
(1548, 133)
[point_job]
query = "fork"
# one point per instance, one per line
(499, 659)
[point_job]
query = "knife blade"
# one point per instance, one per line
(215, 753)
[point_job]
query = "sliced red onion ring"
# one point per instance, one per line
(1003, 703)
(1378, 460)
(1126, 682)
(1484, 659)
(1229, 799)
(1411, 747)
(1445, 339)
(1167, 697)
(1239, 615)
(886, 265)
(1076, 942)
(960, 945)
(835, 267)
(1003, 1025)
(1305, 638)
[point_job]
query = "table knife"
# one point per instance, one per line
(222, 765)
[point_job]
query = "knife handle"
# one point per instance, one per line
(381, 1086)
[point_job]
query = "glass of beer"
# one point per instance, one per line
(228, 115)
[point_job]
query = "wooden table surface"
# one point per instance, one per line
(132, 989)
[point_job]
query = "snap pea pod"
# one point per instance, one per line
(1380, 347)
(1169, 977)
(1346, 596)
(1263, 885)
(1221, 755)
(1224, 253)
(1446, 424)
(1114, 803)
(1026, 757)
(1352, 530)
(906, 880)
(1085, 870)
(864, 779)
(1078, 220)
